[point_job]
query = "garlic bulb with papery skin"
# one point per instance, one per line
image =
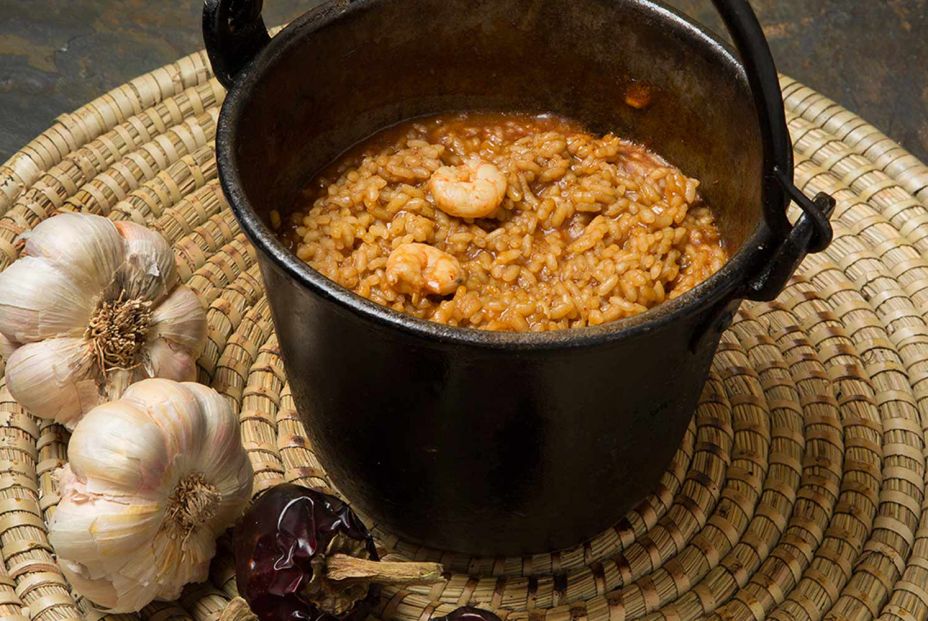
(152, 479)
(92, 306)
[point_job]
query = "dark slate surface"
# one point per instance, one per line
(870, 55)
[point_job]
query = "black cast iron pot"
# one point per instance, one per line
(500, 443)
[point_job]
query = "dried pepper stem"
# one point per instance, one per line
(344, 567)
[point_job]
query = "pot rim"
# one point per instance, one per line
(719, 289)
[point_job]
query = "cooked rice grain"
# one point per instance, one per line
(592, 229)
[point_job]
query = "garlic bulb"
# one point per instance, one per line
(90, 307)
(152, 480)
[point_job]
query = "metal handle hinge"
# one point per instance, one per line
(812, 233)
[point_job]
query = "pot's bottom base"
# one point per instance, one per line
(569, 530)
(515, 541)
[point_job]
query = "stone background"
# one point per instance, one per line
(869, 55)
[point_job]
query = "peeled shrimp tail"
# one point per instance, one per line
(473, 190)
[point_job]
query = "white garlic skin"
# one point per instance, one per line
(116, 531)
(63, 367)
(71, 265)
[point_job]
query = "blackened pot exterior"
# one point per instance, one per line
(485, 450)
(477, 442)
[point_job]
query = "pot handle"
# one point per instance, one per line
(812, 232)
(234, 33)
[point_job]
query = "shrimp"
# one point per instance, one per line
(418, 268)
(474, 189)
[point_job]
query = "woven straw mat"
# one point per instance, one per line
(798, 492)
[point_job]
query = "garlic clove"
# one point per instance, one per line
(182, 566)
(106, 533)
(164, 359)
(220, 462)
(53, 379)
(126, 592)
(181, 319)
(87, 247)
(115, 528)
(148, 271)
(168, 405)
(118, 449)
(7, 347)
(98, 591)
(39, 301)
